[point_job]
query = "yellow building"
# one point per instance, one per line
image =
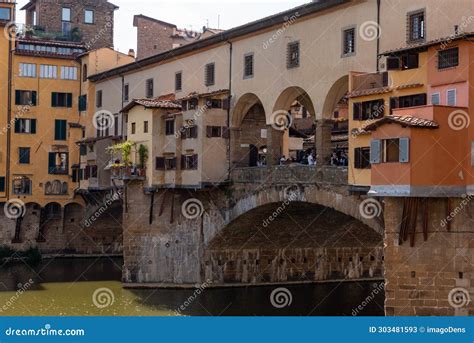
(186, 140)
(7, 15)
(373, 96)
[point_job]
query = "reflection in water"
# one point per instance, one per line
(75, 287)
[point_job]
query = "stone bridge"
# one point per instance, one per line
(269, 225)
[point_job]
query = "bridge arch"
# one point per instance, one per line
(254, 244)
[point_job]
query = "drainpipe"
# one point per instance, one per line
(378, 35)
(9, 116)
(123, 105)
(228, 111)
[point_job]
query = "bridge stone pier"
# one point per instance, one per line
(269, 225)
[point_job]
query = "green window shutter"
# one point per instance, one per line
(404, 150)
(357, 160)
(2, 184)
(69, 100)
(33, 125)
(60, 130)
(53, 100)
(33, 98)
(17, 125)
(375, 151)
(17, 97)
(357, 110)
(51, 163)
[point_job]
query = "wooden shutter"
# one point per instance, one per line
(412, 61)
(17, 125)
(394, 103)
(226, 104)
(393, 63)
(54, 99)
(357, 110)
(195, 161)
(225, 132)
(69, 100)
(2, 184)
(51, 163)
(208, 131)
(404, 150)
(357, 158)
(375, 151)
(33, 125)
(17, 97)
(160, 163)
(33, 98)
(87, 173)
(183, 162)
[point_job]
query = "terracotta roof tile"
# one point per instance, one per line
(370, 91)
(410, 121)
(153, 103)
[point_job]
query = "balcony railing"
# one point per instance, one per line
(128, 173)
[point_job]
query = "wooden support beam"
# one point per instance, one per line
(413, 221)
(172, 208)
(152, 203)
(448, 213)
(425, 219)
(163, 200)
(403, 224)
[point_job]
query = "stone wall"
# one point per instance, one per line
(66, 234)
(97, 35)
(163, 246)
(420, 279)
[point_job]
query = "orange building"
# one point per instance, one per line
(416, 137)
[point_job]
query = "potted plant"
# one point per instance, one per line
(143, 158)
(124, 150)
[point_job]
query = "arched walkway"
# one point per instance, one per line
(249, 132)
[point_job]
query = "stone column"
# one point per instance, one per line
(322, 141)
(274, 146)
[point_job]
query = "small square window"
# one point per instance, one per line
(248, 66)
(448, 58)
(178, 81)
(89, 17)
(24, 155)
(416, 26)
(149, 88)
(293, 55)
(210, 74)
(435, 99)
(169, 127)
(451, 97)
(5, 14)
(66, 14)
(348, 45)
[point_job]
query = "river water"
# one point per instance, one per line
(92, 287)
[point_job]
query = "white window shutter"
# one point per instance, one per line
(375, 151)
(404, 150)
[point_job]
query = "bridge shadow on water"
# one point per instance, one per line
(67, 287)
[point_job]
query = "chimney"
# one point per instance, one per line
(131, 53)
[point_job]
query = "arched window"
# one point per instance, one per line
(84, 73)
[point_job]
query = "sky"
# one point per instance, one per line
(186, 14)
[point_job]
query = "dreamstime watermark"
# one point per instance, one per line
(46, 331)
(378, 288)
(22, 288)
(108, 201)
(288, 22)
(290, 194)
(370, 30)
(281, 120)
(14, 209)
(459, 120)
(10, 31)
(189, 123)
(103, 120)
(103, 297)
(459, 297)
(461, 29)
(281, 297)
(370, 208)
(22, 110)
(192, 297)
(192, 209)
(100, 33)
(460, 208)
